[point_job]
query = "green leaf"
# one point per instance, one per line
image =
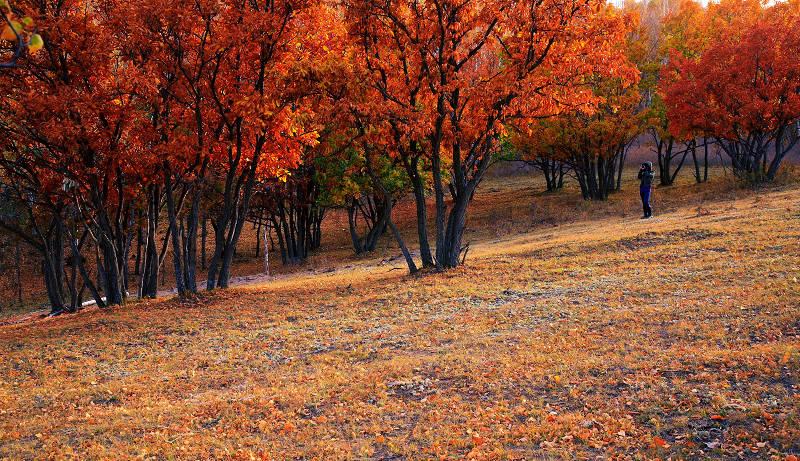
(36, 43)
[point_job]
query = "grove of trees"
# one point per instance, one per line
(142, 130)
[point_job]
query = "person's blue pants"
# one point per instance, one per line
(645, 194)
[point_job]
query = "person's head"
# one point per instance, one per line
(647, 166)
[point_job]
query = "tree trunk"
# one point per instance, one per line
(387, 211)
(75, 246)
(422, 213)
(281, 244)
(412, 267)
(450, 254)
(190, 242)
(352, 217)
(441, 212)
(109, 268)
(19, 273)
(151, 259)
(127, 250)
(176, 238)
(236, 202)
(622, 157)
(53, 265)
(139, 241)
(266, 252)
(664, 160)
(203, 234)
(371, 210)
(75, 295)
(698, 179)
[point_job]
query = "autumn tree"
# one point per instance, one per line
(260, 110)
(546, 161)
(38, 220)
(346, 183)
(71, 115)
(366, 201)
(18, 34)
(593, 143)
(742, 89)
(447, 75)
(338, 167)
(227, 112)
(140, 108)
(291, 206)
(174, 44)
(532, 146)
(674, 28)
(671, 151)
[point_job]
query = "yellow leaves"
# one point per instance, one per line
(283, 175)
(263, 426)
(787, 356)
(36, 43)
(10, 31)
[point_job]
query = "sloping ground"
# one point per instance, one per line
(677, 336)
(503, 206)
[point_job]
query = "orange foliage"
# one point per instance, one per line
(740, 83)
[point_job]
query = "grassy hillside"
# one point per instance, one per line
(505, 205)
(676, 336)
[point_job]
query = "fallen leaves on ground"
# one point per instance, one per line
(675, 337)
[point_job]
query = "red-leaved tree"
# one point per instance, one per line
(744, 88)
(445, 77)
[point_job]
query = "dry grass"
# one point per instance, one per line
(611, 337)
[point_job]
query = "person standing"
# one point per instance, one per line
(646, 177)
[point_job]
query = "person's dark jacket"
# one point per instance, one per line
(646, 176)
